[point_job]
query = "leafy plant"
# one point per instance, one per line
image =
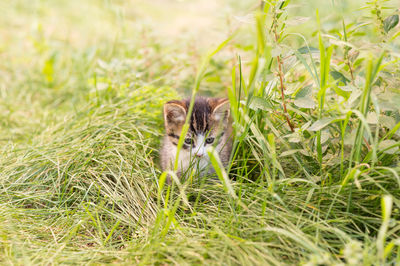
(314, 177)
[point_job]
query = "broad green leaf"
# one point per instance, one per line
(339, 77)
(304, 98)
(354, 96)
(260, 103)
(372, 118)
(289, 152)
(386, 144)
(347, 88)
(304, 62)
(323, 122)
(325, 136)
(390, 22)
(387, 121)
(306, 50)
(340, 92)
(294, 137)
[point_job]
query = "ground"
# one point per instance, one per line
(81, 92)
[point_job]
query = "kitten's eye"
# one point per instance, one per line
(209, 140)
(188, 141)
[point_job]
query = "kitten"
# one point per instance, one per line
(210, 125)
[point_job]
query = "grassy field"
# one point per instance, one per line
(314, 88)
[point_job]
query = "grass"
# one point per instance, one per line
(81, 96)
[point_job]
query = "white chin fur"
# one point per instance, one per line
(201, 165)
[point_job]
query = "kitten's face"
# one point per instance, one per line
(207, 123)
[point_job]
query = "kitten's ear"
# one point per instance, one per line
(220, 108)
(174, 112)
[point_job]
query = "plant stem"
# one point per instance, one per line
(280, 73)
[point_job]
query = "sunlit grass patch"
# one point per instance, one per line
(314, 97)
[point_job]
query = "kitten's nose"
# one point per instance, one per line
(199, 155)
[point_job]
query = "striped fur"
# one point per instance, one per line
(210, 124)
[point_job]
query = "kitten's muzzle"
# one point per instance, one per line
(199, 153)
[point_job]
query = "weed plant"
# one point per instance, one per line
(314, 177)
